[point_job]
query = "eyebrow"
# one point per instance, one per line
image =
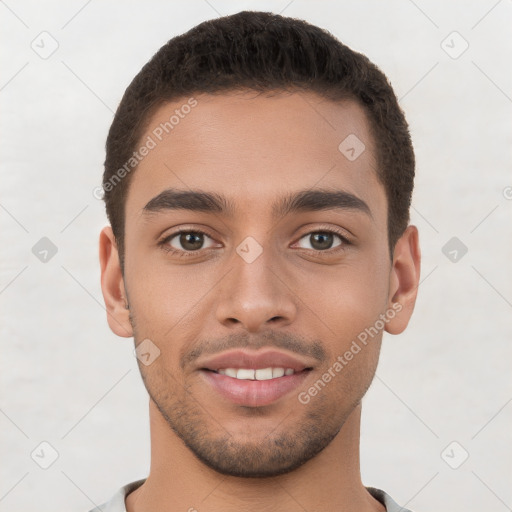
(301, 201)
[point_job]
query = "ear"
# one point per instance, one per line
(404, 280)
(112, 285)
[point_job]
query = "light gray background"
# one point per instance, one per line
(67, 380)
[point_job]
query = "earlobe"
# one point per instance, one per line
(404, 280)
(112, 285)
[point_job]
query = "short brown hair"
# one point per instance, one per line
(262, 51)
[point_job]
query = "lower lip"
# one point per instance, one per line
(253, 393)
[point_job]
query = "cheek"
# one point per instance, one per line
(348, 299)
(166, 297)
(355, 376)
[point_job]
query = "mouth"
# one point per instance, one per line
(252, 387)
(259, 374)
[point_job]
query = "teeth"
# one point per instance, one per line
(277, 372)
(244, 374)
(263, 374)
(260, 374)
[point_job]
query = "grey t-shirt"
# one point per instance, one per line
(116, 504)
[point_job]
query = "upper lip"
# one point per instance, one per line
(254, 360)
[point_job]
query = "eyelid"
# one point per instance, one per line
(164, 242)
(338, 249)
(342, 233)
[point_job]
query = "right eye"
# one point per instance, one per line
(185, 241)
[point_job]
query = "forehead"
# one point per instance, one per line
(256, 147)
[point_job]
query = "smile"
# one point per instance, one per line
(254, 388)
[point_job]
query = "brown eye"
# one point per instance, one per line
(191, 241)
(187, 240)
(321, 240)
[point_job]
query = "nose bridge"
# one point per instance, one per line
(252, 266)
(252, 293)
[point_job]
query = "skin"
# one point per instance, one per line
(207, 453)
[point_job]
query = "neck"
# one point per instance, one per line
(330, 481)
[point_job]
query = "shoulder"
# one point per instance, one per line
(117, 502)
(390, 504)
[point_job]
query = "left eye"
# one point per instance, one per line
(321, 240)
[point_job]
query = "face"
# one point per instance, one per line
(287, 257)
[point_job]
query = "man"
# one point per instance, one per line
(258, 179)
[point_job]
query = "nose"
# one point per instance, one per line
(256, 295)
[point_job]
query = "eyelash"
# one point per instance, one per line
(164, 245)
